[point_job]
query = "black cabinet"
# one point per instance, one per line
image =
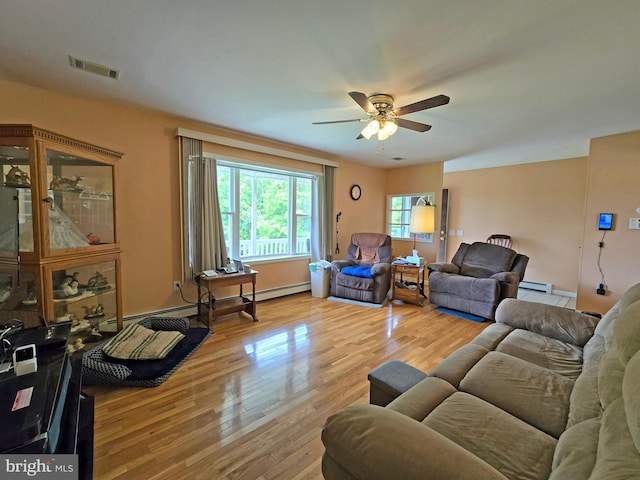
(45, 412)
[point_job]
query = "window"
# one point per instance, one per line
(266, 212)
(399, 215)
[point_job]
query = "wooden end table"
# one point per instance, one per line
(217, 308)
(407, 282)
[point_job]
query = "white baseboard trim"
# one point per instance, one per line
(563, 293)
(188, 310)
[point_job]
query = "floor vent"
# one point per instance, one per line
(94, 68)
(540, 287)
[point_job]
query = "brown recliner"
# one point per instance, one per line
(365, 274)
(478, 278)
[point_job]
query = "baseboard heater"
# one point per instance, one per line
(537, 286)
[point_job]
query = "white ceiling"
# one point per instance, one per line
(529, 80)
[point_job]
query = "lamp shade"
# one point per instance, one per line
(422, 219)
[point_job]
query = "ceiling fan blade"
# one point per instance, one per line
(418, 127)
(362, 100)
(436, 101)
(339, 121)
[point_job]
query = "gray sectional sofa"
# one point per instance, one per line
(544, 393)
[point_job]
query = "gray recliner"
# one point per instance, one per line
(365, 273)
(478, 278)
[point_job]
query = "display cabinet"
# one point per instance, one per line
(59, 246)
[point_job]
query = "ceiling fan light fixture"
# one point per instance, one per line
(388, 129)
(371, 129)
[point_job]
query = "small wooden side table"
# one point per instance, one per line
(217, 308)
(407, 283)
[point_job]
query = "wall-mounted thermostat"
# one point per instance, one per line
(634, 224)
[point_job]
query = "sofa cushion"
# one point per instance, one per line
(458, 257)
(630, 389)
(511, 446)
(359, 283)
(632, 295)
(617, 456)
(533, 394)
(575, 453)
(585, 400)
(610, 375)
(491, 336)
(482, 260)
(465, 288)
(626, 332)
(555, 355)
(422, 398)
(548, 320)
(457, 364)
(370, 442)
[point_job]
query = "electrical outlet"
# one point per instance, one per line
(601, 289)
(176, 285)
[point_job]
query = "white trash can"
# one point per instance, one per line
(320, 272)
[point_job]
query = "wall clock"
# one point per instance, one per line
(356, 192)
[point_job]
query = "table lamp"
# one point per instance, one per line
(422, 221)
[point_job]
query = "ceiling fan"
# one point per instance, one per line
(383, 119)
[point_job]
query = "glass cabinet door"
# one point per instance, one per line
(16, 194)
(86, 296)
(80, 199)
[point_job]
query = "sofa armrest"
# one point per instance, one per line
(549, 320)
(444, 268)
(509, 282)
(375, 443)
(338, 265)
(380, 268)
(507, 277)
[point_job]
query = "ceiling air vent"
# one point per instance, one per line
(94, 68)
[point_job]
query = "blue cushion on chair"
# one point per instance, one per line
(357, 271)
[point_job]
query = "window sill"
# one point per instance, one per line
(288, 258)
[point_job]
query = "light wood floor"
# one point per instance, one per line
(251, 402)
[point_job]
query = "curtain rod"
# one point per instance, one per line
(254, 147)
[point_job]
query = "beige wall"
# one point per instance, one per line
(614, 175)
(541, 205)
(417, 179)
(150, 194)
(364, 215)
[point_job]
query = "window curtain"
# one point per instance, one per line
(322, 217)
(203, 242)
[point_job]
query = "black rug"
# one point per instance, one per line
(99, 369)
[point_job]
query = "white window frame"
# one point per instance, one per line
(408, 200)
(293, 245)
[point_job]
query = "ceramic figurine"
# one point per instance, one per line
(17, 178)
(66, 184)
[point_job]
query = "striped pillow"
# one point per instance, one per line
(136, 342)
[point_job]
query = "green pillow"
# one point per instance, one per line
(136, 342)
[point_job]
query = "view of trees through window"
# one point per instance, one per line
(265, 213)
(399, 215)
